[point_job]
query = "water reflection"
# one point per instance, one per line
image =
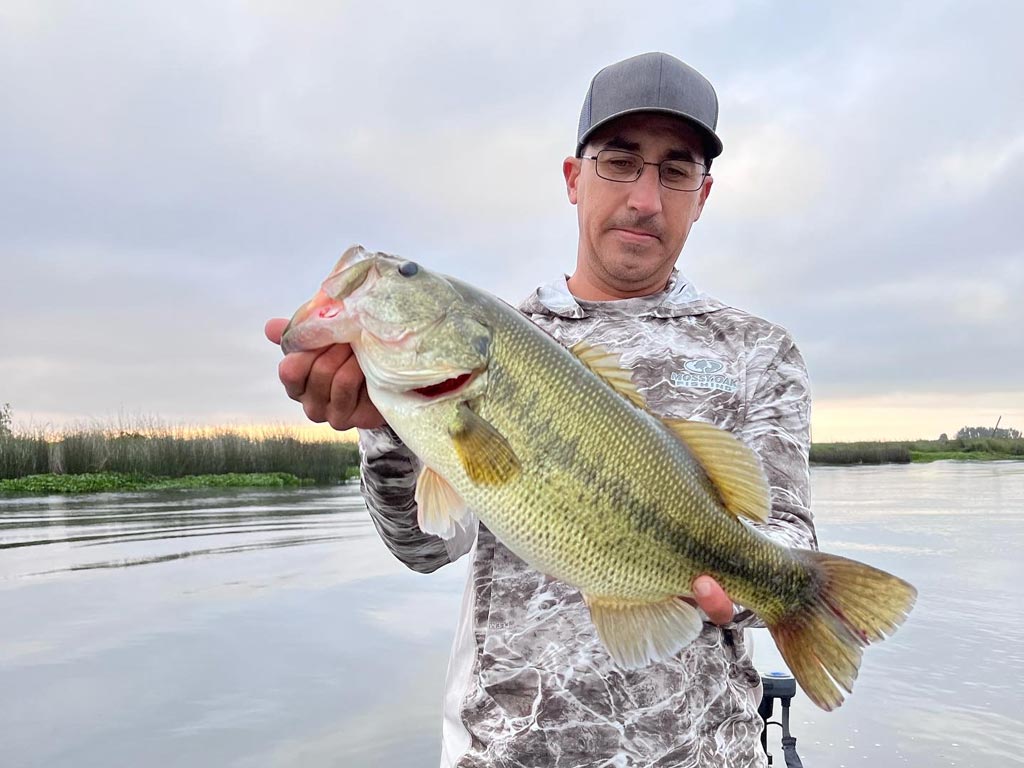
(208, 628)
(945, 690)
(172, 524)
(272, 628)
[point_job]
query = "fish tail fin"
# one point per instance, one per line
(823, 638)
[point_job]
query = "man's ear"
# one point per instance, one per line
(705, 190)
(571, 168)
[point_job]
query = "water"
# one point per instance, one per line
(272, 628)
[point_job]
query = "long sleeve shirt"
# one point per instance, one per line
(529, 683)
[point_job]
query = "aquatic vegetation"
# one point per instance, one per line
(904, 452)
(175, 453)
(103, 482)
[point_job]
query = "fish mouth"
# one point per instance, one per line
(311, 326)
(314, 325)
(445, 387)
(349, 274)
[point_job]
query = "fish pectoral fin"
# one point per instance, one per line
(608, 367)
(637, 634)
(484, 452)
(732, 467)
(439, 506)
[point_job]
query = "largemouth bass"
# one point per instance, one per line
(555, 452)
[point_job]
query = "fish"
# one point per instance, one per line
(554, 450)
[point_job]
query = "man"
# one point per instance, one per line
(528, 682)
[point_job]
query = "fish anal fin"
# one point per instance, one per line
(608, 367)
(486, 455)
(638, 633)
(439, 506)
(732, 467)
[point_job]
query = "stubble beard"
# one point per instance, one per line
(632, 264)
(630, 268)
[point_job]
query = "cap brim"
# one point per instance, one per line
(712, 144)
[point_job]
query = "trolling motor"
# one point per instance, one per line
(781, 686)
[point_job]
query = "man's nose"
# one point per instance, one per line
(645, 192)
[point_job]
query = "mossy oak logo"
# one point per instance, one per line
(704, 374)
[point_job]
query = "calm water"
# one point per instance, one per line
(271, 628)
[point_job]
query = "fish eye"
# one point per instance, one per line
(408, 268)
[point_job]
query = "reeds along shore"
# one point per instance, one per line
(175, 453)
(904, 452)
(181, 452)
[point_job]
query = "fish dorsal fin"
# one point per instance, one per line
(484, 452)
(608, 367)
(732, 467)
(439, 506)
(636, 634)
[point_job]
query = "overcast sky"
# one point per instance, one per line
(172, 174)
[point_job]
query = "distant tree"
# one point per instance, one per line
(5, 419)
(943, 438)
(1004, 434)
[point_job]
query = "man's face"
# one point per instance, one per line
(631, 233)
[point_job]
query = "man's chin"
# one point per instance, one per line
(633, 265)
(636, 255)
(631, 270)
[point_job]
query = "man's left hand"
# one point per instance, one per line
(711, 598)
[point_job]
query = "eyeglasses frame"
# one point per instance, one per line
(640, 171)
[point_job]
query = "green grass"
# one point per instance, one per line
(903, 452)
(926, 456)
(170, 453)
(98, 482)
(127, 458)
(859, 453)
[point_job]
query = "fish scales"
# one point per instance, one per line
(580, 481)
(545, 403)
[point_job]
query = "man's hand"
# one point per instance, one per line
(328, 382)
(711, 599)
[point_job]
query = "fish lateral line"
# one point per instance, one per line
(412, 327)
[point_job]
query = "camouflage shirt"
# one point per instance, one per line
(529, 684)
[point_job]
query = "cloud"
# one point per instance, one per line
(174, 175)
(969, 172)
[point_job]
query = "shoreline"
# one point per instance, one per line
(107, 482)
(99, 460)
(926, 458)
(917, 451)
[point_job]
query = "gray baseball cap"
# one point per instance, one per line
(651, 82)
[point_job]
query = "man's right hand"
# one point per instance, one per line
(328, 382)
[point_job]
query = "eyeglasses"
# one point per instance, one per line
(680, 175)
